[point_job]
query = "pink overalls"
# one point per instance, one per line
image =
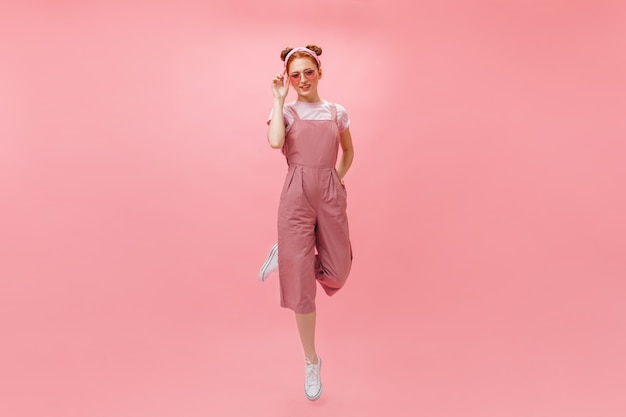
(312, 215)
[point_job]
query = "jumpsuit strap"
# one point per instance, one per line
(333, 111)
(291, 110)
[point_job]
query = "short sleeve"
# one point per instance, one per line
(343, 121)
(287, 117)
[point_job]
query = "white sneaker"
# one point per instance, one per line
(270, 265)
(313, 380)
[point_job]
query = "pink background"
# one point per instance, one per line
(138, 199)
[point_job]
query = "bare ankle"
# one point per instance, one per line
(312, 359)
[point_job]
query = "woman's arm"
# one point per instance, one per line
(276, 129)
(347, 154)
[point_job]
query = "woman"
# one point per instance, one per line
(312, 211)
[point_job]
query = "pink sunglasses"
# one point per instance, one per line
(309, 75)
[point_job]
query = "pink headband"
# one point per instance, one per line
(305, 50)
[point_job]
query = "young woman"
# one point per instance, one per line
(312, 211)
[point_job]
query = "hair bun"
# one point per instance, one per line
(315, 48)
(285, 52)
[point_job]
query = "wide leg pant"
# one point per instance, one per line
(312, 218)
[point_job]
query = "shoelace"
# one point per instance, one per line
(312, 375)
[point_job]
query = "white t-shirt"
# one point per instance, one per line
(314, 111)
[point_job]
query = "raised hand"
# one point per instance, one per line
(280, 85)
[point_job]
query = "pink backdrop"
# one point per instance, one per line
(138, 199)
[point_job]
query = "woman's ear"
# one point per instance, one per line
(319, 72)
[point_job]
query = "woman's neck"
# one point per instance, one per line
(310, 98)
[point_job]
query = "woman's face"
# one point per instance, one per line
(304, 76)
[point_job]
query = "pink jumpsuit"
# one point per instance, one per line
(312, 215)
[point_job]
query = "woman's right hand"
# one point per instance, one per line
(280, 85)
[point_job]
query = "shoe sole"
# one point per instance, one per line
(319, 393)
(316, 397)
(267, 263)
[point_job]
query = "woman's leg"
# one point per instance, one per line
(334, 259)
(312, 382)
(306, 328)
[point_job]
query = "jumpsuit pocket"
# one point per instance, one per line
(339, 180)
(288, 180)
(345, 190)
(342, 187)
